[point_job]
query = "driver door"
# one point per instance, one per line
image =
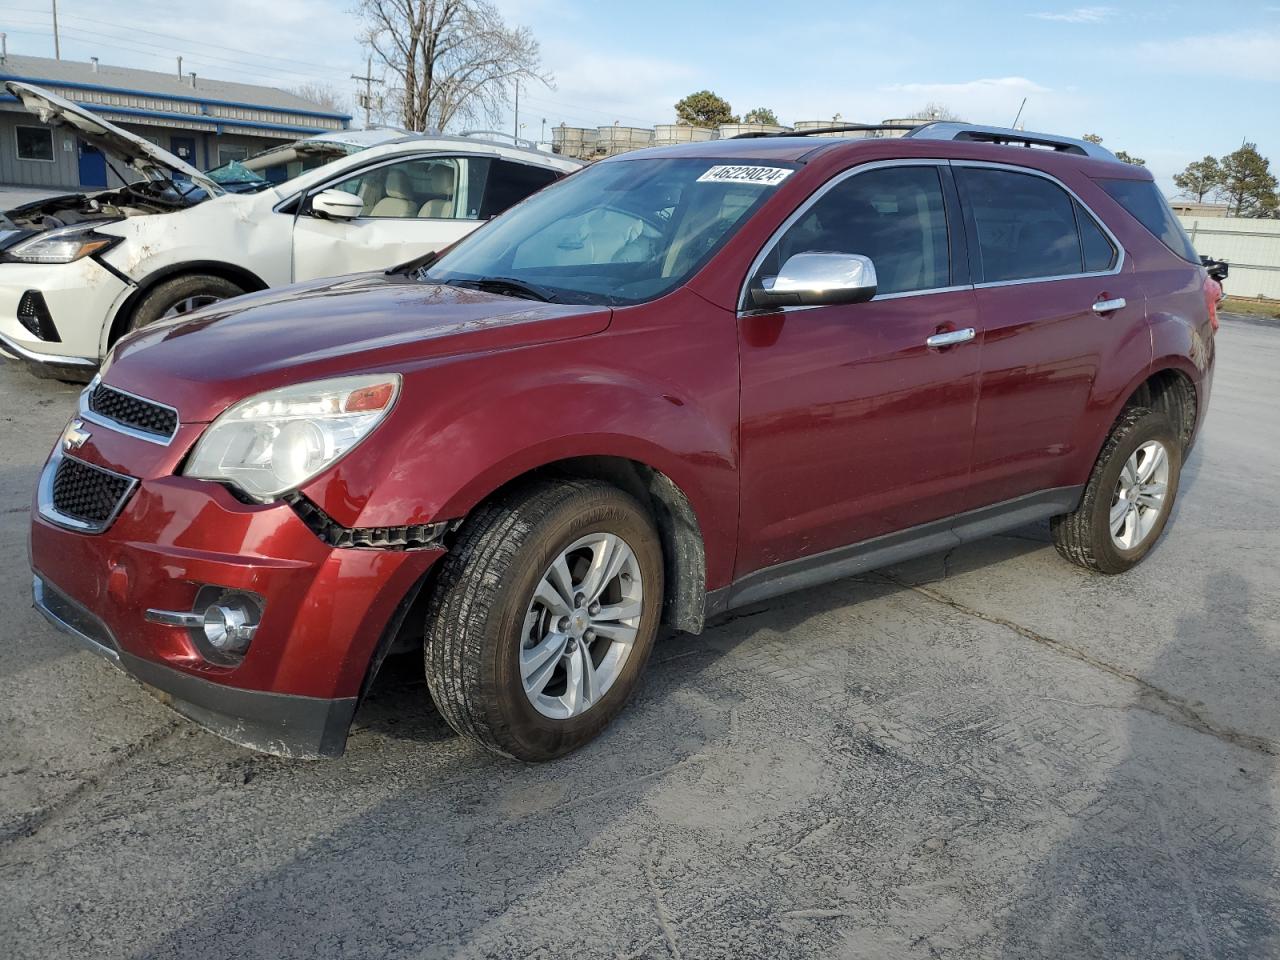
(411, 207)
(851, 426)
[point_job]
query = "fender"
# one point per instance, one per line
(463, 429)
(114, 325)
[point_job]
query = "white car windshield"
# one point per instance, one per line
(620, 232)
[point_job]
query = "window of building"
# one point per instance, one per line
(227, 153)
(35, 143)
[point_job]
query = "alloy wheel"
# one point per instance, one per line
(188, 304)
(581, 625)
(1139, 497)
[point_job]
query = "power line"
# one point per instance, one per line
(168, 36)
(148, 49)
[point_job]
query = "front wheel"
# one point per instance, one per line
(179, 296)
(543, 616)
(1128, 498)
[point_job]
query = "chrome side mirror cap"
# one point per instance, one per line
(818, 279)
(336, 205)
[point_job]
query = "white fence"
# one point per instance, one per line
(1252, 247)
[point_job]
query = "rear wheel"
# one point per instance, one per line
(179, 296)
(543, 617)
(1128, 498)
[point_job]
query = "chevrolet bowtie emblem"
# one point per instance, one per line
(75, 435)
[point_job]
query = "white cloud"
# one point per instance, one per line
(1078, 15)
(595, 89)
(1251, 55)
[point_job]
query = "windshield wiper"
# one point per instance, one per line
(508, 286)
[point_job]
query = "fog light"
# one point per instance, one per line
(229, 626)
(221, 623)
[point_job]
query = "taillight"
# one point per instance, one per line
(1212, 296)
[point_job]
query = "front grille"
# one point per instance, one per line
(88, 494)
(145, 416)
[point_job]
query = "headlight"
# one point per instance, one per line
(276, 441)
(62, 245)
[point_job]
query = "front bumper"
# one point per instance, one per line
(326, 611)
(281, 724)
(81, 298)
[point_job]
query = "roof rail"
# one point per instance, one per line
(953, 130)
(834, 128)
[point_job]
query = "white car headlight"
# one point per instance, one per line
(63, 245)
(274, 442)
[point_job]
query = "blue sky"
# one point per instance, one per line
(1166, 81)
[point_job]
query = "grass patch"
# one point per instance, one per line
(1253, 308)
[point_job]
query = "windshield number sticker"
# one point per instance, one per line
(761, 176)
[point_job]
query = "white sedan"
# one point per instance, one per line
(79, 271)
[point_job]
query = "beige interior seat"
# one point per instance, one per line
(398, 199)
(440, 181)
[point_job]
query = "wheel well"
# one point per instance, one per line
(683, 551)
(245, 279)
(1173, 394)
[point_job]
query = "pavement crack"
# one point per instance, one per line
(659, 905)
(1153, 699)
(39, 820)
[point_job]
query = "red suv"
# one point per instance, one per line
(677, 382)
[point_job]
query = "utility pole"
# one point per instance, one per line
(515, 125)
(57, 46)
(369, 80)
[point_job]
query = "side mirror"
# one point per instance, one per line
(818, 279)
(336, 205)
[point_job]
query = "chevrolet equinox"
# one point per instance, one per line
(679, 381)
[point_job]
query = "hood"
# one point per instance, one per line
(142, 155)
(328, 328)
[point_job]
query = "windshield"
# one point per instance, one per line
(620, 232)
(234, 173)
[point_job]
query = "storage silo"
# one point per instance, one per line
(615, 139)
(907, 121)
(727, 130)
(802, 125)
(666, 134)
(576, 142)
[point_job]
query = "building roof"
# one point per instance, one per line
(64, 73)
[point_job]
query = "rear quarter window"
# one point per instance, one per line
(1144, 201)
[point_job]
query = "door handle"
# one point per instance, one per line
(1109, 306)
(951, 338)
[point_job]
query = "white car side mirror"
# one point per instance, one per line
(336, 205)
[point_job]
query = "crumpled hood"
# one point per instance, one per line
(327, 328)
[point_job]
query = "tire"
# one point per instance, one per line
(192, 290)
(485, 626)
(1085, 536)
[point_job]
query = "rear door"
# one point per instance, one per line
(852, 427)
(1057, 301)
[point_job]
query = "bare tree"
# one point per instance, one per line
(935, 111)
(322, 95)
(449, 60)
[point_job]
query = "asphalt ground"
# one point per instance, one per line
(988, 753)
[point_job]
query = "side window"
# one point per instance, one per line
(1099, 253)
(508, 183)
(1026, 224)
(894, 215)
(1143, 199)
(422, 188)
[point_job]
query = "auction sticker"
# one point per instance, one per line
(764, 176)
